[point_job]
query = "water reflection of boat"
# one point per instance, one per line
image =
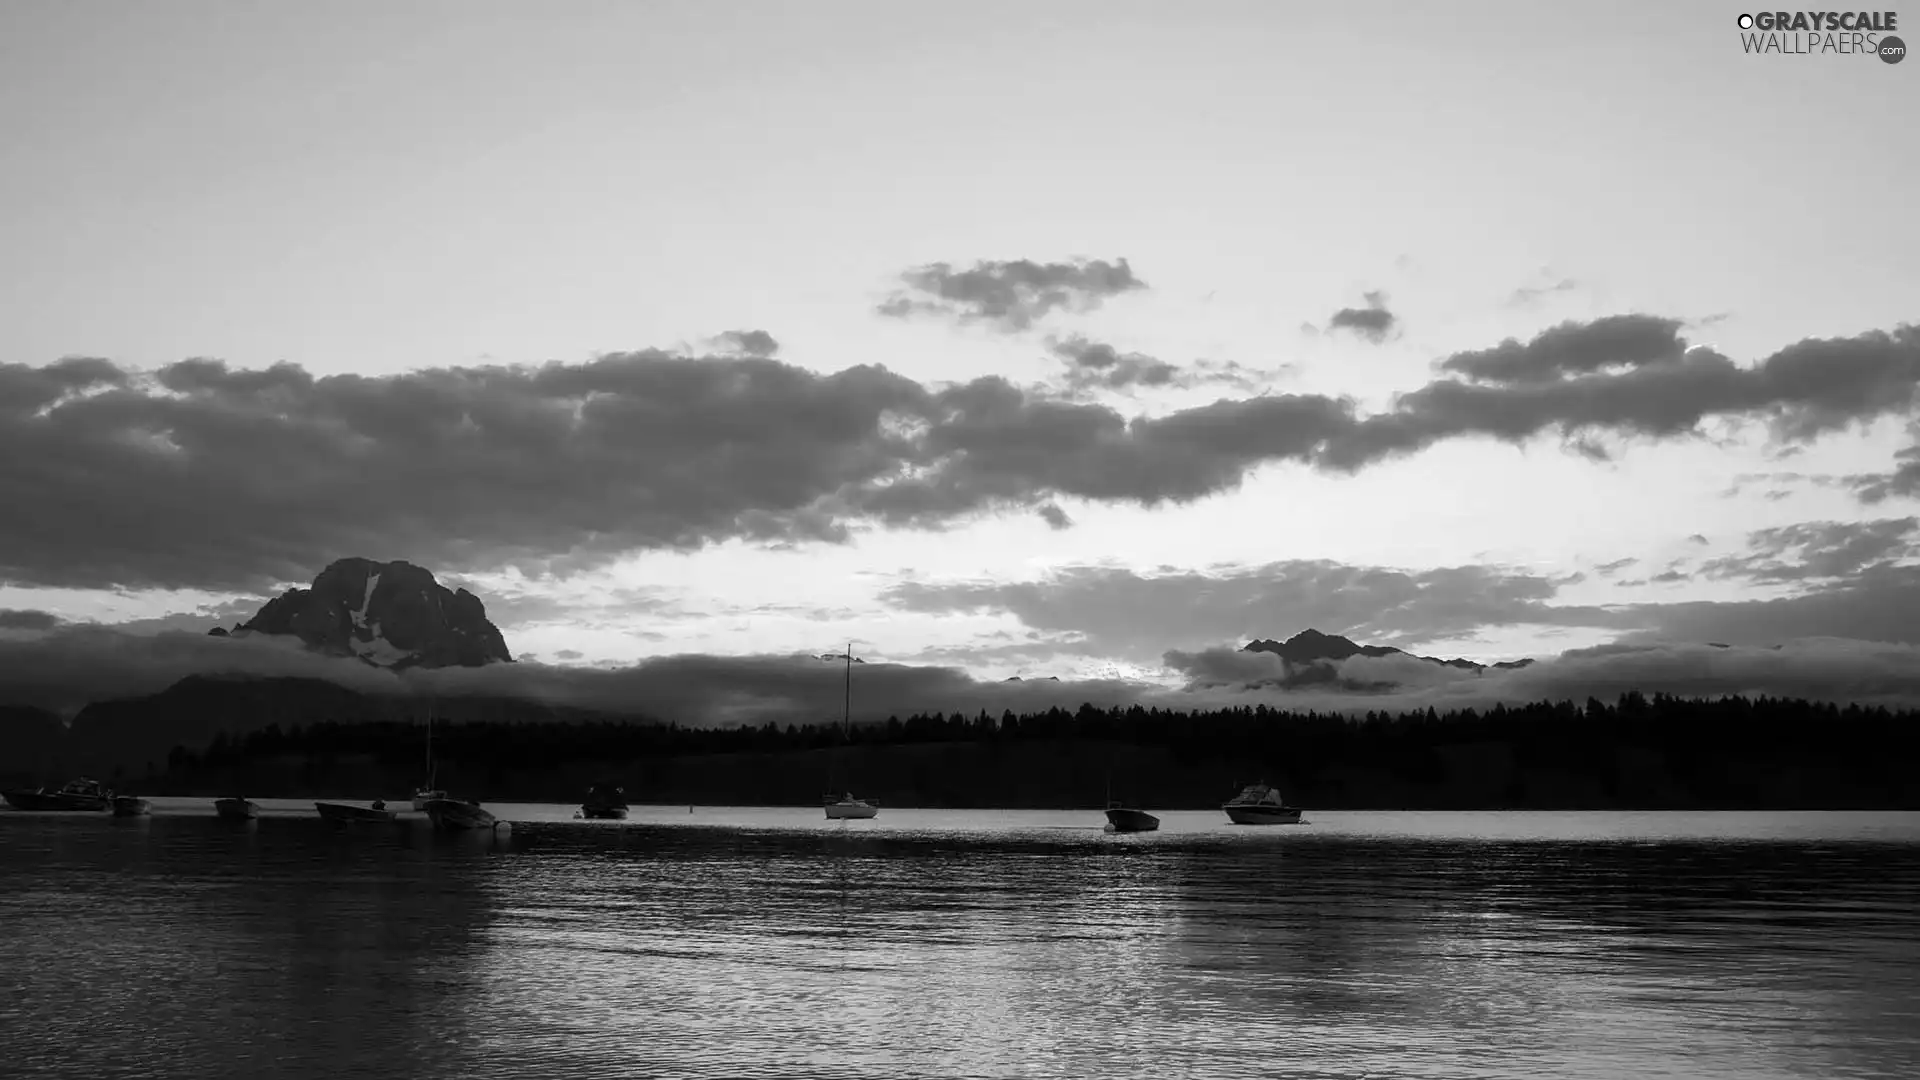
(1260, 804)
(239, 809)
(605, 801)
(450, 815)
(846, 806)
(80, 794)
(1126, 819)
(131, 806)
(349, 814)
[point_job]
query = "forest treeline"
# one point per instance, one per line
(1636, 751)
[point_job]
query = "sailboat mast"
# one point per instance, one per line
(846, 719)
(429, 743)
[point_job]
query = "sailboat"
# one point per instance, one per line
(427, 793)
(844, 805)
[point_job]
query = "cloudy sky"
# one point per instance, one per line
(1076, 341)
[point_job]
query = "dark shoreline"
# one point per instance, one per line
(300, 739)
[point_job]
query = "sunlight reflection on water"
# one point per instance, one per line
(962, 943)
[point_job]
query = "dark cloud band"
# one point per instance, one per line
(200, 475)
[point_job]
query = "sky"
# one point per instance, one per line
(1090, 341)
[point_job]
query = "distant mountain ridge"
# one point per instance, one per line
(1312, 658)
(390, 615)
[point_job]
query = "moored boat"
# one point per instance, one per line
(449, 815)
(237, 809)
(426, 792)
(131, 806)
(1260, 804)
(605, 801)
(1126, 819)
(348, 813)
(845, 806)
(80, 794)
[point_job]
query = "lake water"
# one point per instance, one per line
(770, 942)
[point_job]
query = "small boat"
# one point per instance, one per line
(605, 801)
(349, 814)
(846, 806)
(1123, 819)
(238, 809)
(1260, 804)
(423, 796)
(449, 815)
(80, 794)
(131, 806)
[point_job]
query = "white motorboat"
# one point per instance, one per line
(846, 806)
(81, 794)
(349, 814)
(605, 801)
(236, 809)
(1126, 819)
(451, 815)
(1260, 804)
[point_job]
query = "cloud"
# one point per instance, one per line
(1901, 482)
(202, 476)
(1634, 375)
(1608, 569)
(68, 667)
(199, 475)
(1010, 295)
(1055, 517)
(1880, 603)
(1528, 294)
(749, 342)
(72, 665)
(14, 619)
(1819, 669)
(1094, 365)
(1850, 590)
(569, 654)
(1124, 613)
(1820, 549)
(1373, 322)
(1616, 341)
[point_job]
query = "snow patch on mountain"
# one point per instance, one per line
(379, 651)
(366, 600)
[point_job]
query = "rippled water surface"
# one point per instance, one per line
(716, 942)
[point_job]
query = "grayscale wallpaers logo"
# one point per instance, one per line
(1824, 33)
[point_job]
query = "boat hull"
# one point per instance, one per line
(856, 810)
(349, 814)
(1263, 815)
(1131, 820)
(422, 798)
(604, 813)
(449, 815)
(54, 800)
(236, 809)
(130, 806)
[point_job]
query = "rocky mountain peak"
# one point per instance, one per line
(391, 614)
